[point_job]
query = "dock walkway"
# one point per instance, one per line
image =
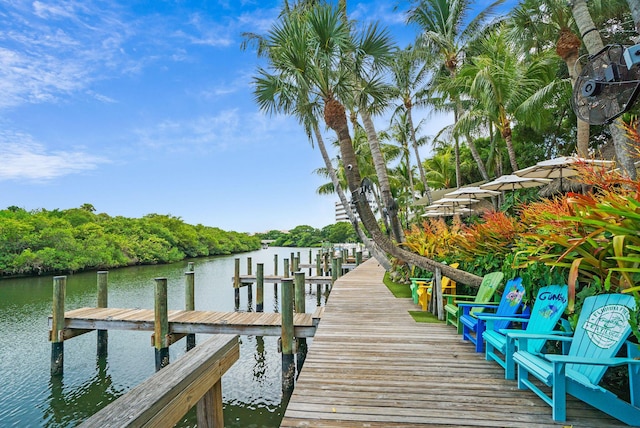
(188, 322)
(371, 365)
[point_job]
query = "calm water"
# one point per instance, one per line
(30, 397)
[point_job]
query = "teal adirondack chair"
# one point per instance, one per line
(473, 325)
(488, 287)
(603, 327)
(547, 310)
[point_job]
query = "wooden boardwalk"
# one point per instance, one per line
(371, 365)
(186, 322)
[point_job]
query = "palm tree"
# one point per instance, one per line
(321, 49)
(440, 169)
(409, 75)
(447, 32)
(283, 91)
(535, 23)
(500, 82)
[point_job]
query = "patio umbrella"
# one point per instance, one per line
(513, 182)
(471, 192)
(444, 211)
(564, 166)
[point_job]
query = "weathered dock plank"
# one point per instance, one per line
(370, 364)
(187, 322)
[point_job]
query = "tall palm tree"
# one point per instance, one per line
(535, 24)
(447, 32)
(501, 82)
(409, 75)
(284, 91)
(317, 54)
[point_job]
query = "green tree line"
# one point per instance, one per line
(50, 241)
(308, 236)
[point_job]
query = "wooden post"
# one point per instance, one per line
(334, 270)
(249, 285)
(275, 265)
(260, 287)
(436, 294)
(161, 324)
(318, 294)
(326, 263)
(318, 264)
(190, 300)
(286, 267)
(358, 258)
(310, 263)
(296, 265)
(300, 307)
(340, 260)
(288, 360)
(103, 335)
(57, 325)
(298, 278)
(209, 408)
(236, 283)
(293, 262)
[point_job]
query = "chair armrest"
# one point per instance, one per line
(514, 317)
(572, 359)
(478, 305)
(525, 335)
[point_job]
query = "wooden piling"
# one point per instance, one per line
(296, 265)
(358, 258)
(298, 278)
(275, 265)
(293, 262)
(249, 268)
(288, 360)
(260, 287)
(102, 344)
(319, 264)
(286, 267)
(190, 300)
(334, 269)
(161, 325)
(57, 325)
(236, 283)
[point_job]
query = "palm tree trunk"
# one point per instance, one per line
(336, 119)
(383, 177)
(476, 156)
(510, 150)
(373, 248)
(592, 40)
(414, 143)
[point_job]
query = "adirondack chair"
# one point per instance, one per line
(488, 287)
(603, 327)
(547, 310)
(424, 290)
(473, 325)
(416, 283)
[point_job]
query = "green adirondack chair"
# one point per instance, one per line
(545, 314)
(603, 327)
(488, 287)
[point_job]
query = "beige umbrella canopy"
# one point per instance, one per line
(447, 211)
(471, 192)
(564, 166)
(513, 182)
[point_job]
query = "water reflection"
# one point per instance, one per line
(71, 404)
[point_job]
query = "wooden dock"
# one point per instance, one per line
(277, 279)
(371, 365)
(187, 322)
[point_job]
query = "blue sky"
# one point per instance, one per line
(141, 107)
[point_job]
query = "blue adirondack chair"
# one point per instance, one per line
(548, 307)
(473, 325)
(603, 327)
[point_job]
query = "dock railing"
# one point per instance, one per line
(164, 398)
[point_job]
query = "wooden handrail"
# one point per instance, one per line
(164, 398)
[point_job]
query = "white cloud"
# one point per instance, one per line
(221, 132)
(25, 159)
